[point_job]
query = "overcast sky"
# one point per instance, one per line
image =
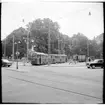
(73, 17)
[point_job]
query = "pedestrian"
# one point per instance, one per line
(75, 61)
(23, 59)
(89, 59)
(70, 61)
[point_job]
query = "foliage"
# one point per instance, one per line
(59, 43)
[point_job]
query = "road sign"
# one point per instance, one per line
(17, 53)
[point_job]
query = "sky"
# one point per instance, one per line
(72, 17)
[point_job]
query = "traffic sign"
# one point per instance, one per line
(17, 53)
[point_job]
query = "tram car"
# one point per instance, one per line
(79, 58)
(38, 58)
(58, 58)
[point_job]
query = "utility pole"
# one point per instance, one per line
(28, 43)
(88, 41)
(13, 49)
(17, 53)
(87, 48)
(27, 39)
(58, 45)
(49, 44)
(17, 57)
(5, 49)
(63, 46)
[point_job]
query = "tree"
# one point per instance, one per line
(39, 32)
(59, 43)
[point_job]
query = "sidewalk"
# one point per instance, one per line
(21, 67)
(26, 68)
(79, 64)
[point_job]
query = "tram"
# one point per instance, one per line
(38, 58)
(79, 58)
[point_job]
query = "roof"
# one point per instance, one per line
(41, 53)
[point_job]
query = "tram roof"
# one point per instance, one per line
(59, 54)
(40, 53)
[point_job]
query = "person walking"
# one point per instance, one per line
(70, 61)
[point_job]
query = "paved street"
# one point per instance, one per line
(56, 83)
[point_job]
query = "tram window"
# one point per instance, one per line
(38, 56)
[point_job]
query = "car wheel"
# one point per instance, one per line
(102, 67)
(93, 66)
(88, 67)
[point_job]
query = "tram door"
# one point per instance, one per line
(40, 59)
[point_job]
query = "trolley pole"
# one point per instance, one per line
(49, 44)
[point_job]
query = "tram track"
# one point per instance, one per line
(51, 80)
(53, 87)
(67, 75)
(58, 74)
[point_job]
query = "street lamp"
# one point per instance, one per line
(24, 58)
(13, 48)
(27, 39)
(88, 41)
(5, 49)
(58, 44)
(70, 47)
(49, 43)
(17, 54)
(32, 45)
(27, 42)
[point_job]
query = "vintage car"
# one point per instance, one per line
(6, 62)
(95, 63)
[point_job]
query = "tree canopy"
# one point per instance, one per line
(37, 32)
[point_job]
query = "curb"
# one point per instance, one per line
(64, 66)
(17, 70)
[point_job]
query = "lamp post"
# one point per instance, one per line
(87, 48)
(24, 60)
(49, 44)
(5, 49)
(27, 43)
(17, 54)
(13, 49)
(58, 45)
(88, 41)
(32, 45)
(27, 39)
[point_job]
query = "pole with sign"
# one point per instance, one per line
(17, 54)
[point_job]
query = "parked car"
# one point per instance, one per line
(95, 63)
(6, 62)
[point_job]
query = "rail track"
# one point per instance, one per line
(51, 80)
(69, 91)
